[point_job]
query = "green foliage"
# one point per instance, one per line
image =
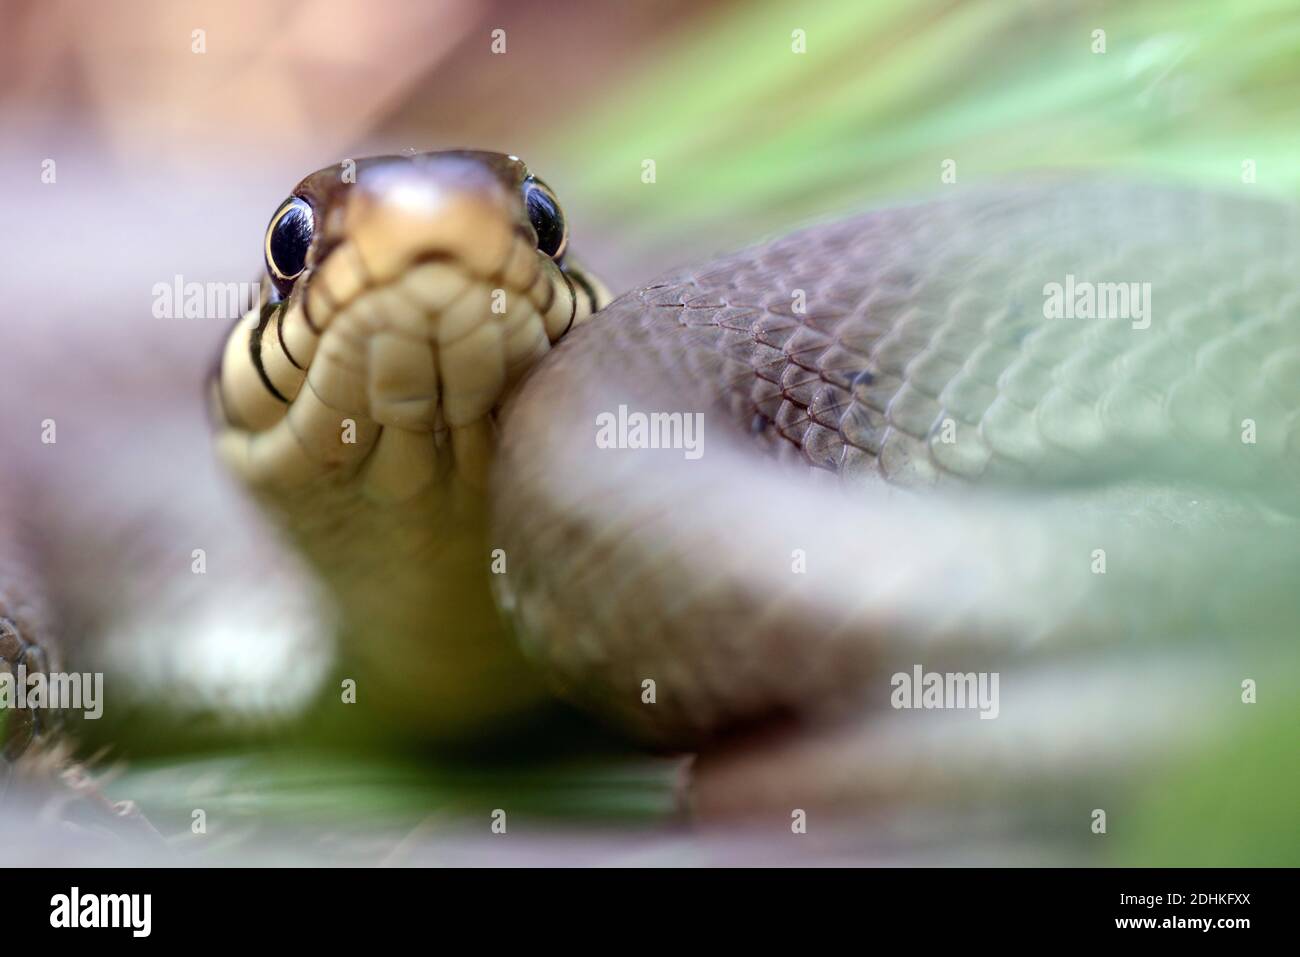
(748, 136)
(322, 787)
(1233, 806)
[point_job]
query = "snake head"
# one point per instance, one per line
(406, 293)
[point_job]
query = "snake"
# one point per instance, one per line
(1002, 427)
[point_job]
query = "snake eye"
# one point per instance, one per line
(287, 239)
(544, 213)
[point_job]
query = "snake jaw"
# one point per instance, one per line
(424, 298)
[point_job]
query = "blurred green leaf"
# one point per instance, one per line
(1233, 806)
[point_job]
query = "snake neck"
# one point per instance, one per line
(422, 634)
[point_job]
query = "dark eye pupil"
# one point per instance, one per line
(547, 220)
(290, 235)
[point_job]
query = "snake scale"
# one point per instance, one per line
(906, 457)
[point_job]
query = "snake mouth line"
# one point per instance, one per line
(423, 293)
(424, 358)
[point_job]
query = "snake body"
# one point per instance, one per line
(977, 457)
(905, 458)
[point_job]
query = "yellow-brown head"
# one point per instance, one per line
(402, 293)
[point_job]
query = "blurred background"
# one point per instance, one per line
(177, 126)
(746, 134)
